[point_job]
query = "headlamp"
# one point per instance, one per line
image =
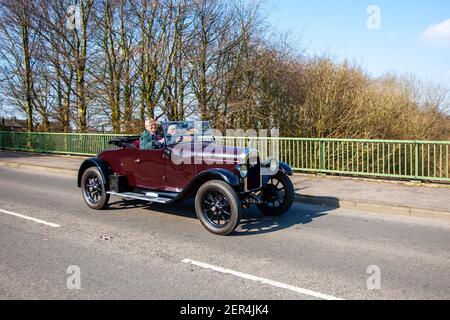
(273, 165)
(243, 170)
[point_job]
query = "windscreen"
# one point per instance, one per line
(187, 131)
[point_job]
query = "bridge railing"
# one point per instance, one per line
(64, 143)
(402, 159)
(416, 160)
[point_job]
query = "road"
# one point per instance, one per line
(136, 251)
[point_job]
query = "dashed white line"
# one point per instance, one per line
(261, 280)
(50, 224)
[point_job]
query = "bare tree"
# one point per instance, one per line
(79, 52)
(16, 54)
(106, 65)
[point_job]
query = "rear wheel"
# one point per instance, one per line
(217, 207)
(277, 195)
(93, 189)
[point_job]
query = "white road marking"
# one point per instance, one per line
(261, 280)
(54, 225)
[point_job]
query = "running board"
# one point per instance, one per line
(140, 196)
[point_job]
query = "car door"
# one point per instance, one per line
(149, 172)
(180, 168)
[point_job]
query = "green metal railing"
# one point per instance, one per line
(414, 160)
(417, 160)
(64, 143)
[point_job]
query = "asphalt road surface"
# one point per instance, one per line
(53, 247)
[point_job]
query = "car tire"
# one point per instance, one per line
(93, 189)
(269, 207)
(216, 201)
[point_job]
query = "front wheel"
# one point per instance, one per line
(277, 195)
(217, 207)
(93, 189)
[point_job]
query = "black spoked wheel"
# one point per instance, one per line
(93, 189)
(277, 195)
(217, 207)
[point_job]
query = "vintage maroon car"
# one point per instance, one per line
(223, 180)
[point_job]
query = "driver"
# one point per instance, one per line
(150, 140)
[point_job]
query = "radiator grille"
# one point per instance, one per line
(254, 174)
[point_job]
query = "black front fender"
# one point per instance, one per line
(285, 168)
(282, 166)
(222, 174)
(102, 166)
(208, 175)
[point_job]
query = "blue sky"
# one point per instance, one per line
(414, 35)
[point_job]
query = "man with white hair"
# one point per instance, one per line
(150, 140)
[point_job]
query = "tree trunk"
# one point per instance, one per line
(81, 56)
(28, 81)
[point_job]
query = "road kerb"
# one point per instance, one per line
(17, 165)
(374, 207)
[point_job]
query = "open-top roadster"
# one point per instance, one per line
(223, 180)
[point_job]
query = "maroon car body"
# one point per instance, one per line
(221, 179)
(155, 170)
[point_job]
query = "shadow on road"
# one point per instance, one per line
(253, 222)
